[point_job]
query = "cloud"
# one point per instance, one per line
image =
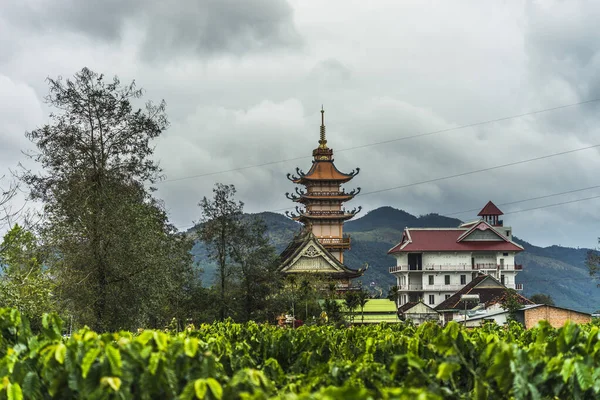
(244, 83)
(169, 28)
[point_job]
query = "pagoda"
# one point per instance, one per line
(320, 246)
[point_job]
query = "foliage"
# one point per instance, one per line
(7, 211)
(24, 284)
(116, 260)
(221, 224)
(252, 361)
(351, 301)
(592, 262)
(540, 298)
(247, 280)
(511, 303)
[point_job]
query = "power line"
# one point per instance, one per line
(506, 213)
(522, 201)
(471, 125)
(466, 173)
(481, 170)
(552, 205)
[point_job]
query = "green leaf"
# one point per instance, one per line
(153, 363)
(190, 346)
(88, 361)
(446, 369)
(161, 340)
(215, 388)
(584, 376)
(113, 381)
(200, 388)
(114, 359)
(13, 392)
(60, 353)
(567, 369)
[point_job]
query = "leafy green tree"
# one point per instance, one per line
(592, 262)
(363, 298)
(393, 294)
(220, 228)
(257, 273)
(351, 301)
(540, 298)
(511, 303)
(24, 284)
(117, 261)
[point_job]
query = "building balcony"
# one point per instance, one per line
(416, 287)
(335, 243)
(450, 268)
(410, 288)
(508, 267)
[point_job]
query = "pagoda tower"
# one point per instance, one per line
(322, 199)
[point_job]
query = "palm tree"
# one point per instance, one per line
(351, 301)
(363, 298)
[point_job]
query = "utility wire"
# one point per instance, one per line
(471, 125)
(480, 170)
(524, 200)
(506, 213)
(465, 173)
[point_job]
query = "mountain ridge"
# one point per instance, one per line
(554, 270)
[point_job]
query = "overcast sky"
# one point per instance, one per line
(244, 82)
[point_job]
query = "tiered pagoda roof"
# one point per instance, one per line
(322, 171)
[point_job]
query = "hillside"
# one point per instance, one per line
(557, 271)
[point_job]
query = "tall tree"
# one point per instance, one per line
(257, 276)
(220, 229)
(117, 261)
(363, 299)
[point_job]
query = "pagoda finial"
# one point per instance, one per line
(322, 141)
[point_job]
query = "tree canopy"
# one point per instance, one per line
(117, 261)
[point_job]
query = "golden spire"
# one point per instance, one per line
(322, 141)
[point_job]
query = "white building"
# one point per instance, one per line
(434, 263)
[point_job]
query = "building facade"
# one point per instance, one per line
(434, 263)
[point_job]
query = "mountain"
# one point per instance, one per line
(557, 271)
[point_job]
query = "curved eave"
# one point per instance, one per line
(307, 179)
(305, 198)
(311, 217)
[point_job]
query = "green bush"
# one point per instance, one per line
(252, 361)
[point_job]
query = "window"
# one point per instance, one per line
(431, 299)
(505, 254)
(447, 297)
(502, 279)
(463, 279)
(447, 279)
(431, 279)
(508, 233)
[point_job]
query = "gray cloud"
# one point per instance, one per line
(382, 73)
(170, 28)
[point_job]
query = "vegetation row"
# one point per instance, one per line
(253, 361)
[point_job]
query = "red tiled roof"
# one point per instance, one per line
(446, 240)
(490, 209)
